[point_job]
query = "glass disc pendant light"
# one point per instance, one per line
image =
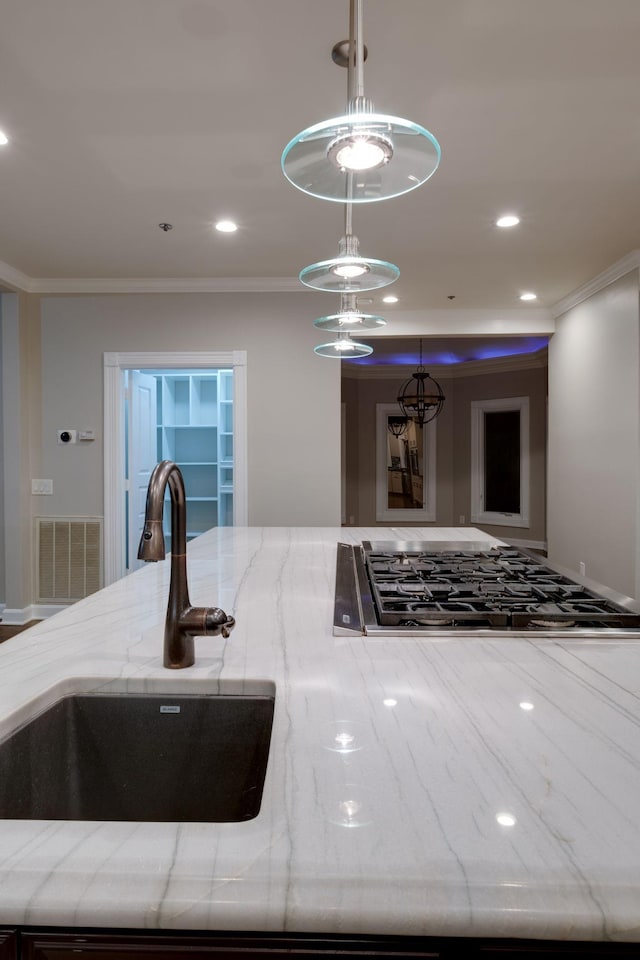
(343, 348)
(362, 156)
(350, 319)
(349, 272)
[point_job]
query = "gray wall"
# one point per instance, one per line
(530, 383)
(2, 481)
(293, 395)
(20, 387)
(361, 397)
(453, 497)
(594, 396)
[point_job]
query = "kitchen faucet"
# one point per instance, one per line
(183, 622)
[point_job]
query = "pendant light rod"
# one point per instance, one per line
(348, 217)
(351, 54)
(358, 45)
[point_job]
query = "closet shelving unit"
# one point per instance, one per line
(195, 429)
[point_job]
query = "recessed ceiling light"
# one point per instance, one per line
(508, 220)
(390, 299)
(528, 296)
(226, 226)
(4, 139)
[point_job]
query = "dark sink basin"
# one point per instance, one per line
(150, 757)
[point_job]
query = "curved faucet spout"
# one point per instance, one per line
(183, 622)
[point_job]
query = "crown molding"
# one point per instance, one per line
(618, 269)
(448, 371)
(90, 285)
(14, 279)
(466, 322)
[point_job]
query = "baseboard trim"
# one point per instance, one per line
(16, 616)
(41, 611)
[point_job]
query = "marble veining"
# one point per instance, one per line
(442, 785)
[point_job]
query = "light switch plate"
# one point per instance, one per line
(42, 487)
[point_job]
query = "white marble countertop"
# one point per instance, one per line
(399, 835)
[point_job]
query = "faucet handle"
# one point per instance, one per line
(217, 622)
(228, 627)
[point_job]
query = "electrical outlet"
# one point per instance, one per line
(42, 487)
(583, 569)
(462, 518)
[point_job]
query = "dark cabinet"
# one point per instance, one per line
(130, 945)
(8, 945)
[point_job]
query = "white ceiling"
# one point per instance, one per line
(126, 113)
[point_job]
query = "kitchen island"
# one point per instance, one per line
(452, 786)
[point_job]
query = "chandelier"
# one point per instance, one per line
(421, 398)
(360, 157)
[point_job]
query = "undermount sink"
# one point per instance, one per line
(150, 757)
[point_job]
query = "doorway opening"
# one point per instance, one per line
(184, 415)
(186, 407)
(500, 461)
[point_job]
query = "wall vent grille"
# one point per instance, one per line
(68, 558)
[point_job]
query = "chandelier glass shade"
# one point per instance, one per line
(349, 272)
(315, 160)
(349, 322)
(421, 398)
(343, 348)
(349, 319)
(346, 274)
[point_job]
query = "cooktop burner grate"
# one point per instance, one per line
(500, 588)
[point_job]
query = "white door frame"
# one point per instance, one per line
(478, 512)
(114, 432)
(427, 512)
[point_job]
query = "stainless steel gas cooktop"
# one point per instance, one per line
(391, 588)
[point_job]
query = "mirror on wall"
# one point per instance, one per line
(405, 468)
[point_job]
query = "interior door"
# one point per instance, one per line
(142, 455)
